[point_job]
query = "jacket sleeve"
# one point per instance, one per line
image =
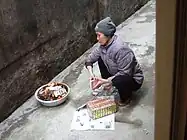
(125, 62)
(93, 57)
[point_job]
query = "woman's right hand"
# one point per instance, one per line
(92, 76)
(93, 82)
(90, 70)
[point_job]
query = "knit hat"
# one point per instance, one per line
(106, 26)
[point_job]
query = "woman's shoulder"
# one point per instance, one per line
(121, 45)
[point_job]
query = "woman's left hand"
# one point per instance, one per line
(107, 84)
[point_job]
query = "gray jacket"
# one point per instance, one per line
(118, 58)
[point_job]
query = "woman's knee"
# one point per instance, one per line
(121, 80)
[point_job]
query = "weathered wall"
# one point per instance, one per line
(39, 38)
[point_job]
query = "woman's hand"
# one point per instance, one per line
(94, 83)
(90, 70)
(107, 84)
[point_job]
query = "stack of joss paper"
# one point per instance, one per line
(101, 107)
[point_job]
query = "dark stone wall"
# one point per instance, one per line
(39, 38)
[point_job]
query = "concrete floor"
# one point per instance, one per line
(35, 122)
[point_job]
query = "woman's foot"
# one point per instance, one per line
(123, 103)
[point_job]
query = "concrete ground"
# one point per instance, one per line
(32, 121)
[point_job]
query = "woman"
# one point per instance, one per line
(117, 62)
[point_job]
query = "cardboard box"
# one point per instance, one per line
(101, 107)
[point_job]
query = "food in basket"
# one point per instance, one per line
(53, 91)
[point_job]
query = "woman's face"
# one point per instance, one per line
(101, 38)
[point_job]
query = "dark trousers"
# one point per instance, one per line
(124, 83)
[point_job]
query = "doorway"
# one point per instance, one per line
(171, 50)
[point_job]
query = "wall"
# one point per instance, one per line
(39, 38)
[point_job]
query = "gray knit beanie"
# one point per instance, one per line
(106, 26)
